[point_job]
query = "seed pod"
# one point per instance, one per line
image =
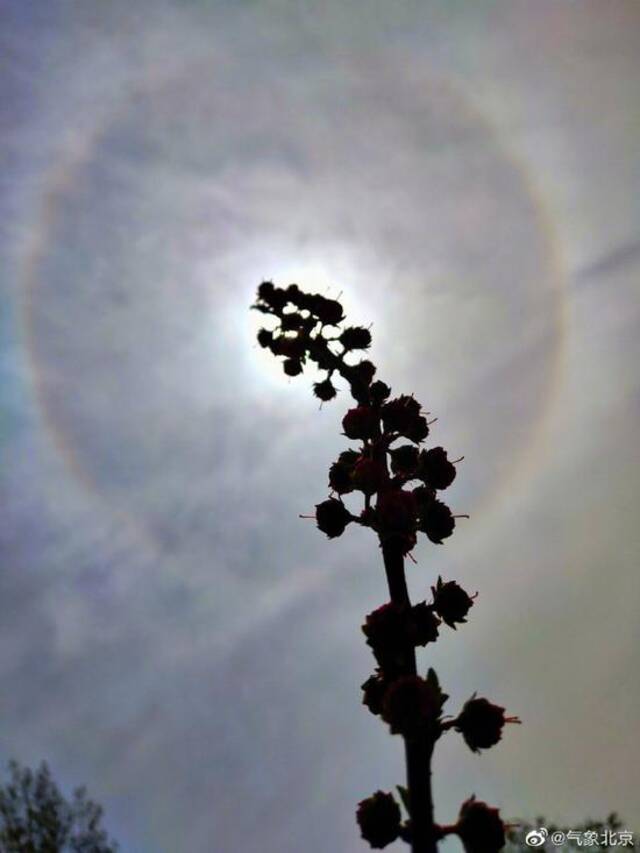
(424, 624)
(388, 633)
(293, 293)
(349, 457)
(480, 828)
(365, 371)
(373, 691)
(340, 478)
(400, 413)
(424, 497)
(408, 707)
(355, 337)
(379, 819)
(265, 338)
(418, 430)
(451, 602)
(436, 469)
(368, 475)
(379, 392)
(437, 522)
(481, 723)
(292, 367)
(328, 311)
(360, 422)
(332, 517)
(324, 390)
(404, 459)
(397, 511)
(266, 290)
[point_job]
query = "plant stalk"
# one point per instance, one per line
(418, 751)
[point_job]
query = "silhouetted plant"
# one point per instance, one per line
(400, 483)
(36, 818)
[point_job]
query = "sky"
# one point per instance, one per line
(466, 175)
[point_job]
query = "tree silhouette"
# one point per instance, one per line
(36, 818)
(309, 330)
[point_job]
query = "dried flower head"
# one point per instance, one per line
(388, 632)
(368, 475)
(397, 516)
(410, 707)
(324, 390)
(374, 689)
(399, 414)
(355, 337)
(379, 819)
(436, 469)
(480, 828)
(424, 624)
(451, 602)
(481, 723)
(404, 459)
(332, 517)
(292, 366)
(360, 423)
(378, 392)
(437, 521)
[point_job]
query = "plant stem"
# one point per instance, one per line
(418, 751)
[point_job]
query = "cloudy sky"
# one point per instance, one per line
(467, 175)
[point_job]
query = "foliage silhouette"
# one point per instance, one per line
(36, 818)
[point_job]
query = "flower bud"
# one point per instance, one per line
(481, 723)
(266, 290)
(397, 517)
(451, 602)
(349, 457)
(424, 624)
(379, 392)
(373, 691)
(436, 469)
(324, 390)
(379, 819)
(328, 311)
(355, 337)
(480, 828)
(409, 706)
(404, 459)
(360, 422)
(437, 522)
(293, 293)
(332, 517)
(340, 478)
(397, 511)
(418, 430)
(388, 633)
(273, 296)
(398, 414)
(368, 475)
(365, 371)
(424, 496)
(265, 338)
(292, 367)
